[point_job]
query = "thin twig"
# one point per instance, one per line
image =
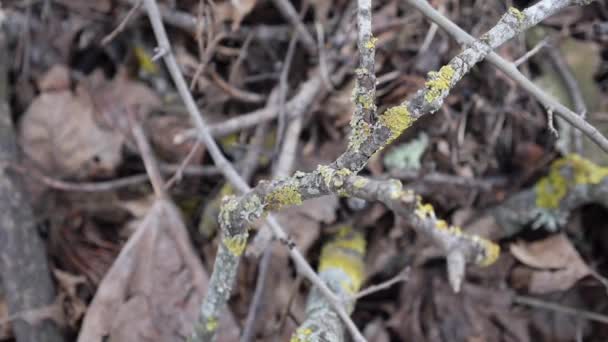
(537, 303)
(179, 173)
(123, 23)
(290, 13)
(402, 276)
(258, 294)
(531, 53)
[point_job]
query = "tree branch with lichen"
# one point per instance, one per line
(370, 134)
(572, 182)
(342, 267)
(368, 138)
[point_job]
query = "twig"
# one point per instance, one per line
(239, 94)
(529, 17)
(290, 13)
(283, 87)
(256, 302)
(179, 173)
(149, 160)
(402, 276)
(537, 303)
(81, 186)
(123, 23)
(573, 88)
(531, 53)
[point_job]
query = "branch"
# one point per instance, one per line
(341, 266)
(24, 267)
(523, 20)
(572, 182)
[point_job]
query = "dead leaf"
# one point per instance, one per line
(156, 278)
(241, 9)
(56, 78)
(558, 264)
(59, 133)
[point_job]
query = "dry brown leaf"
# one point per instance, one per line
(241, 9)
(56, 78)
(559, 264)
(156, 278)
(59, 133)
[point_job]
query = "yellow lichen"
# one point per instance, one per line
(211, 324)
(349, 239)
(491, 252)
(564, 174)
(371, 43)
(301, 335)
(397, 119)
(345, 252)
(145, 61)
(424, 210)
(236, 244)
(287, 194)
(365, 101)
(360, 182)
(438, 82)
(517, 14)
(441, 224)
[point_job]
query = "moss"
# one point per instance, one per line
(438, 83)
(371, 43)
(519, 15)
(301, 335)
(211, 324)
(564, 174)
(345, 252)
(397, 119)
(287, 194)
(236, 244)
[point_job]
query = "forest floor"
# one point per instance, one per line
(78, 69)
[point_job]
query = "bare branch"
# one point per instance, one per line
(519, 21)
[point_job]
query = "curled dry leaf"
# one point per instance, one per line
(59, 133)
(558, 265)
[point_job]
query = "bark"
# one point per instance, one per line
(24, 267)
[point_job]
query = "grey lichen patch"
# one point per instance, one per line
(229, 205)
(327, 174)
(252, 208)
(359, 134)
(438, 83)
(283, 195)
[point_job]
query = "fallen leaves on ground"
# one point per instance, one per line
(157, 277)
(556, 264)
